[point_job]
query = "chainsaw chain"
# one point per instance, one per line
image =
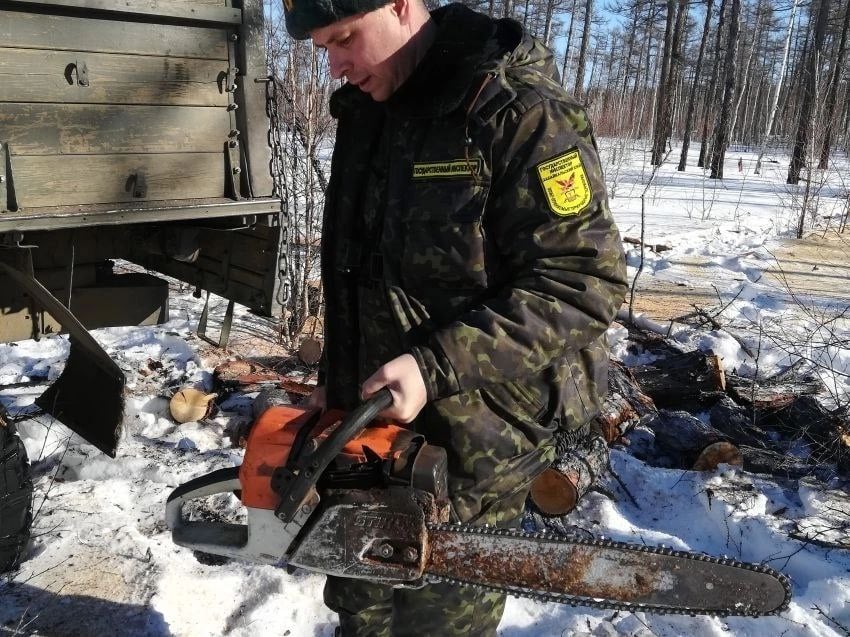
(575, 600)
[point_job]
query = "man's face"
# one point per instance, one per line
(365, 49)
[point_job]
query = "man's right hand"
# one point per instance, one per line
(317, 398)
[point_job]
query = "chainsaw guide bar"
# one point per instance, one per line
(602, 573)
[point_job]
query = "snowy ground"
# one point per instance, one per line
(102, 562)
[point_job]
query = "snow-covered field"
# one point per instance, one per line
(102, 562)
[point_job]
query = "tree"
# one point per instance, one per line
(721, 135)
(804, 127)
(775, 106)
(832, 91)
(582, 54)
(712, 87)
(663, 94)
(692, 99)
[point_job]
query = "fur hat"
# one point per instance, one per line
(302, 16)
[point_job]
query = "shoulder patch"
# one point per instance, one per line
(565, 182)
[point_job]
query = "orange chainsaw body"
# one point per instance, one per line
(274, 433)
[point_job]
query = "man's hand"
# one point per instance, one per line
(404, 380)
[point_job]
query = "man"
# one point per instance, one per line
(470, 264)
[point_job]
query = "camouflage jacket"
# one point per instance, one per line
(467, 224)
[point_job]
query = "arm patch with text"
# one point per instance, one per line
(565, 183)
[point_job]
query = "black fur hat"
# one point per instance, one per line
(302, 16)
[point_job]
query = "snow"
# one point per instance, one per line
(102, 561)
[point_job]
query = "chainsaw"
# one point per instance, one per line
(329, 494)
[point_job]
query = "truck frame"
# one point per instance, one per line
(136, 130)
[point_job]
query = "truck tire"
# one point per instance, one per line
(15, 496)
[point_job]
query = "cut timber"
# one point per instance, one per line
(681, 436)
(655, 247)
(775, 463)
(249, 376)
(624, 405)
(771, 393)
(737, 422)
(716, 454)
(557, 490)
(681, 380)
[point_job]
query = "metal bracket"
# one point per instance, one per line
(224, 334)
(82, 73)
(232, 159)
(4, 179)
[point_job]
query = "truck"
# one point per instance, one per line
(133, 130)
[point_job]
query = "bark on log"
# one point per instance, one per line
(775, 463)
(249, 376)
(681, 436)
(682, 380)
(558, 489)
(770, 393)
(624, 405)
(737, 422)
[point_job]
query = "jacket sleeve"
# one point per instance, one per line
(560, 275)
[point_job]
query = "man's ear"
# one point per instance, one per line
(401, 8)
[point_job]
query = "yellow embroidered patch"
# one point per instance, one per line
(447, 169)
(565, 183)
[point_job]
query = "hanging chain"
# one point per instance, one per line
(284, 292)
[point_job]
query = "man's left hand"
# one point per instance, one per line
(404, 380)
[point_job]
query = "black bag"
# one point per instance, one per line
(15, 496)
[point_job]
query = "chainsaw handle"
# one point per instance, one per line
(309, 468)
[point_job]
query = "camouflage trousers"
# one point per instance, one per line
(366, 609)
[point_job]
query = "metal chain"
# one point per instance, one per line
(284, 292)
(574, 600)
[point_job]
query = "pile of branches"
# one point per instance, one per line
(685, 411)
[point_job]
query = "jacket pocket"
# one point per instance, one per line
(444, 238)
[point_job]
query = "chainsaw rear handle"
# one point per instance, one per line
(299, 483)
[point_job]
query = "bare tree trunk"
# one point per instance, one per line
(582, 54)
(832, 91)
(798, 157)
(569, 43)
(547, 27)
(674, 88)
(628, 60)
(721, 138)
(692, 101)
(768, 129)
(712, 86)
(744, 80)
(662, 96)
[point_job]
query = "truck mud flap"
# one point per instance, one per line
(88, 397)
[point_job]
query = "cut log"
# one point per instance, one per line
(655, 247)
(624, 405)
(716, 454)
(558, 489)
(771, 393)
(736, 422)
(775, 463)
(250, 376)
(681, 436)
(684, 380)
